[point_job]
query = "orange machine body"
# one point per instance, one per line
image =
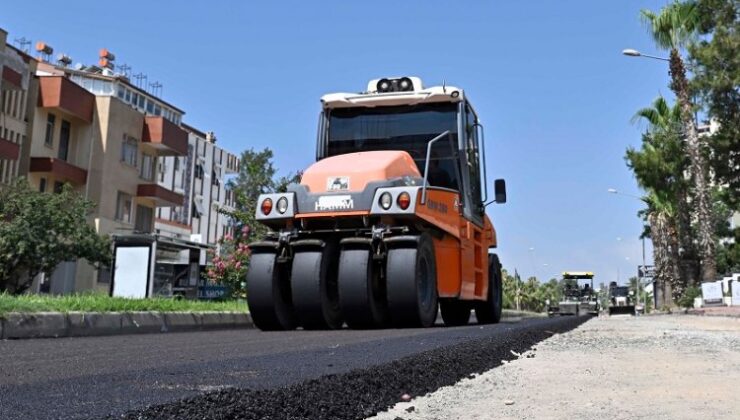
(461, 246)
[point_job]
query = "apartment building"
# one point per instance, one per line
(104, 136)
(17, 85)
(202, 176)
(156, 182)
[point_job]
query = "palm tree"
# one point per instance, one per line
(663, 168)
(660, 216)
(672, 29)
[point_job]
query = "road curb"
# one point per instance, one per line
(20, 325)
(16, 325)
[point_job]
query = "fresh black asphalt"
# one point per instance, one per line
(79, 378)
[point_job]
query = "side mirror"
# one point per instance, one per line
(499, 188)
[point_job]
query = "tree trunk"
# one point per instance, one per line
(665, 256)
(688, 263)
(698, 169)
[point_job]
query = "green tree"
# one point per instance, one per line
(40, 230)
(532, 294)
(728, 251)
(509, 286)
(660, 165)
(716, 66)
(257, 175)
(672, 29)
(660, 215)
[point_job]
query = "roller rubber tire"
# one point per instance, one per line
(455, 312)
(489, 312)
(313, 284)
(411, 284)
(361, 293)
(268, 293)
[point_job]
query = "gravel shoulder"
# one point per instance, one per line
(656, 367)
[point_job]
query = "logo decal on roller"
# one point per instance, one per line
(337, 183)
(334, 202)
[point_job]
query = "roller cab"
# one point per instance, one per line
(389, 224)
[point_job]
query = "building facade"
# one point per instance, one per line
(155, 181)
(18, 88)
(202, 177)
(95, 132)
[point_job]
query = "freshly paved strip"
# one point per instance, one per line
(92, 377)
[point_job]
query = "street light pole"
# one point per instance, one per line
(634, 53)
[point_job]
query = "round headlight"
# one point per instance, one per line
(404, 200)
(386, 200)
(282, 205)
(405, 84)
(383, 85)
(266, 206)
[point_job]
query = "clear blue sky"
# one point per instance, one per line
(547, 79)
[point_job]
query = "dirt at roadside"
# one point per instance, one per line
(653, 367)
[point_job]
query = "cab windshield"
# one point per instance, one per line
(406, 128)
(620, 291)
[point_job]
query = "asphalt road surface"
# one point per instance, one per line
(73, 378)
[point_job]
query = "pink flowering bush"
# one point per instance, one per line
(229, 266)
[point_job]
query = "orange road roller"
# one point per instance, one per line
(388, 226)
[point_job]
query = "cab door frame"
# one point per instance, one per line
(470, 164)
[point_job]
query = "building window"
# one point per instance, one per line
(199, 171)
(144, 217)
(49, 136)
(42, 185)
(129, 150)
(149, 106)
(147, 167)
(198, 209)
(123, 207)
(58, 186)
(157, 110)
(141, 102)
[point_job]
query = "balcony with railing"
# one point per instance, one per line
(60, 93)
(9, 149)
(60, 169)
(161, 196)
(166, 138)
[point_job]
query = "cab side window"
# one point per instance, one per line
(472, 157)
